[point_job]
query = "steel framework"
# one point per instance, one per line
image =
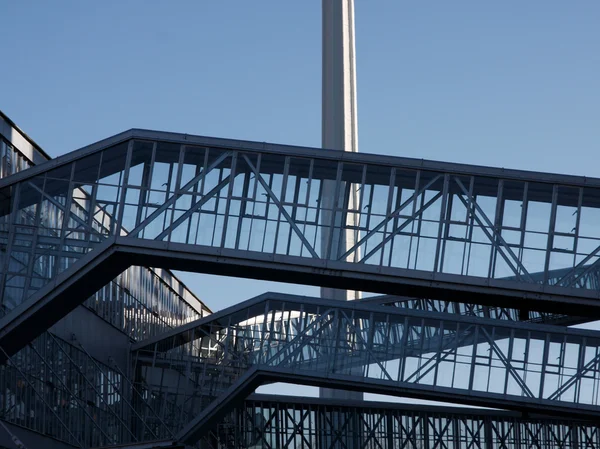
(132, 285)
(442, 218)
(477, 310)
(193, 375)
(483, 260)
(200, 368)
(244, 204)
(266, 421)
(270, 422)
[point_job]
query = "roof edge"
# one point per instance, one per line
(33, 143)
(66, 158)
(368, 158)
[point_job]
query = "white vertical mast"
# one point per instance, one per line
(339, 127)
(339, 119)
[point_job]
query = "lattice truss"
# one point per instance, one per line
(374, 348)
(476, 310)
(269, 422)
(295, 202)
(56, 388)
(50, 390)
(405, 219)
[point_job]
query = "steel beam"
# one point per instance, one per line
(391, 425)
(360, 277)
(200, 426)
(298, 151)
(65, 292)
(358, 336)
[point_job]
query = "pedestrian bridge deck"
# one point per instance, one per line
(423, 229)
(206, 366)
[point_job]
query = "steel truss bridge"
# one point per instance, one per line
(481, 270)
(267, 421)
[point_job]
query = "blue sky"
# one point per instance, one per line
(512, 84)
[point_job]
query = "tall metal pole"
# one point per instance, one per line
(339, 119)
(339, 132)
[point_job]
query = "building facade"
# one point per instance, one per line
(85, 353)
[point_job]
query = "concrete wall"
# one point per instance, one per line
(101, 340)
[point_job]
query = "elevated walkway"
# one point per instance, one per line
(438, 231)
(435, 225)
(283, 338)
(384, 425)
(285, 422)
(513, 245)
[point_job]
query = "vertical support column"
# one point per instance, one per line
(339, 132)
(339, 118)
(488, 432)
(12, 225)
